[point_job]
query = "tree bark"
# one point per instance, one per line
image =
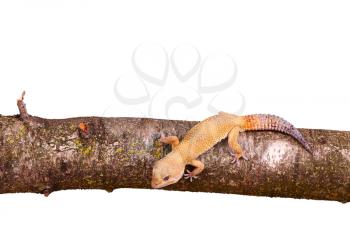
(42, 155)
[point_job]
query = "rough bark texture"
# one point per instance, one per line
(41, 156)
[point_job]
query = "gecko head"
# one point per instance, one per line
(167, 170)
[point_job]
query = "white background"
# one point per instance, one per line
(292, 60)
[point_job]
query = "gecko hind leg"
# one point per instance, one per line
(234, 148)
(199, 166)
(172, 140)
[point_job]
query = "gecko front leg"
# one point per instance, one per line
(234, 146)
(199, 166)
(172, 140)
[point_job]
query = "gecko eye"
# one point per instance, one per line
(166, 178)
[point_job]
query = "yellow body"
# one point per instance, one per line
(198, 140)
(206, 134)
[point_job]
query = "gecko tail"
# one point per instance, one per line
(275, 123)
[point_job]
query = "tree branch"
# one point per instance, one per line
(41, 156)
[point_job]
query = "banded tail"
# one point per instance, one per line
(275, 123)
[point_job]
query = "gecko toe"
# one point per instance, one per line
(235, 161)
(189, 175)
(231, 152)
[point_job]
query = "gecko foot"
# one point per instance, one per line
(236, 159)
(189, 175)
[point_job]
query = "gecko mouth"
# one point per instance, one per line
(159, 185)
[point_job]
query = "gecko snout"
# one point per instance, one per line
(155, 184)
